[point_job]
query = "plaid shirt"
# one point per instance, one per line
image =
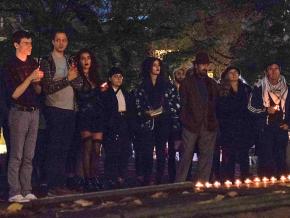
(51, 86)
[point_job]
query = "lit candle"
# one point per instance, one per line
(265, 180)
(257, 180)
(273, 179)
(228, 184)
(288, 177)
(248, 181)
(199, 185)
(217, 184)
(208, 185)
(238, 183)
(283, 179)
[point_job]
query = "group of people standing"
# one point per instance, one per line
(192, 114)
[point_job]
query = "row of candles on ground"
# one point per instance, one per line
(256, 182)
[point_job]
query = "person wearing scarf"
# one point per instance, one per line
(269, 103)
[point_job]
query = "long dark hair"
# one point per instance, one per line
(93, 71)
(147, 68)
(225, 87)
(160, 85)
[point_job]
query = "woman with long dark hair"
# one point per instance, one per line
(157, 107)
(235, 127)
(90, 115)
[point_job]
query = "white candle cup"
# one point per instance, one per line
(208, 185)
(273, 179)
(228, 184)
(199, 185)
(265, 180)
(217, 184)
(238, 183)
(283, 179)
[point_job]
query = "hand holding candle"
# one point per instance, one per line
(36, 75)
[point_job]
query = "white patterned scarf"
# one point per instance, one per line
(277, 92)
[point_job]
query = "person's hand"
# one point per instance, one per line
(36, 75)
(271, 110)
(72, 73)
(284, 126)
(149, 113)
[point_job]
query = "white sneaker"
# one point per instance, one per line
(18, 199)
(30, 197)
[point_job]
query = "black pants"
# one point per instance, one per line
(231, 155)
(60, 126)
(272, 151)
(144, 145)
(216, 168)
(171, 160)
(117, 150)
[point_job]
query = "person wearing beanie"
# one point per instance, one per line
(117, 143)
(269, 103)
(236, 135)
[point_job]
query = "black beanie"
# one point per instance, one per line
(115, 70)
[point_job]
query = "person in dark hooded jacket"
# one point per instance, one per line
(235, 126)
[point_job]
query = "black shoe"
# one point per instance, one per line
(110, 184)
(89, 185)
(43, 190)
(70, 183)
(96, 182)
(75, 183)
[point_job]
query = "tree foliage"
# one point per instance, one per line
(120, 32)
(265, 39)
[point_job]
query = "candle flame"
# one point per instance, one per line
(208, 185)
(228, 183)
(265, 179)
(238, 182)
(283, 178)
(217, 184)
(198, 185)
(273, 179)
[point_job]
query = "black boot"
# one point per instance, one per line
(78, 183)
(97, 184)
(88, 185)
